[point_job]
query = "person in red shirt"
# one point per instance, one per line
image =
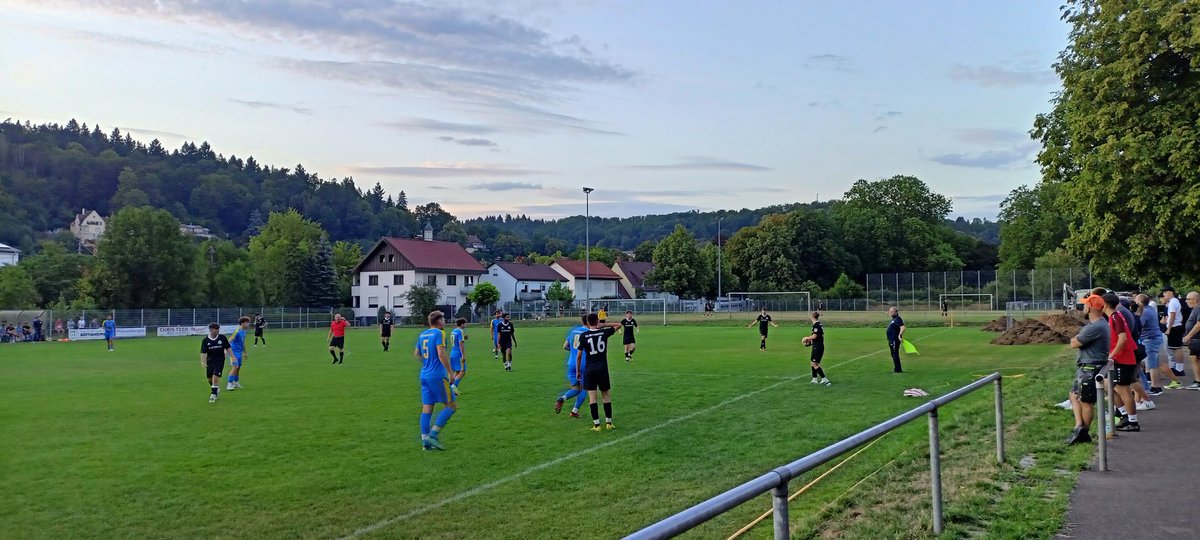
(1124, 373)
(337, 338)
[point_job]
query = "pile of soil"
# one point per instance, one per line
(1031, 332)
(1062, 323)
(998, 325)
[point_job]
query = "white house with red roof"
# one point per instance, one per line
(633, 279)
(598, 278)
(525, 281)
(394, 265)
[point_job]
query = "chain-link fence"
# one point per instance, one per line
(975, 289)
(58, 323)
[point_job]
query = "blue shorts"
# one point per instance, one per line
(434, 391)
(572, 379)
(457, 364)
(237, 359)
(1153, 346)
(109, 337)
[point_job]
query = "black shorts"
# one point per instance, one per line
(258, 332)
(338, 342)
(630, 340)
(213, 368)
(1124, 374)
(385, 332)
(1175, 338)
(596, 380)
(762, 331)
(505, 345)
(1194, 347)
(818, 352)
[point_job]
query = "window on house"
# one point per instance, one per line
(391, 258)
(431, 280)
(357, 280)
(381, 257)
(372, 280)
(451, 280)
(372, 301)
(357, 301)
(397, 301)
(468, 280)
(398, 279)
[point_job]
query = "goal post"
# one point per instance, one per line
(985, 297)
(782, 301)
(644, 307)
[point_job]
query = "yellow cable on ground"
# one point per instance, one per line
(793, 496)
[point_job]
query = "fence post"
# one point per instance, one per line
(779, 502)
(1100, 412)
(193, 316)
(935, 470)
(999, 420)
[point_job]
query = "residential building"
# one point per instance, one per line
(602, 283)
(195, 230)
(633, 278)
(475, 244)
(9, 255)
(394, 265)
(522, 281)
(87, 228)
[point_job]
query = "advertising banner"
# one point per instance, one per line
(98, 333)
(178, 331)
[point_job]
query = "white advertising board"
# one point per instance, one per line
(177, 331)
(98, 333)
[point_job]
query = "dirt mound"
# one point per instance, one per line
(998, 325)
(1031, 332)
(1067, 325)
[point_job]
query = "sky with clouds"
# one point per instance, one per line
(512, 106)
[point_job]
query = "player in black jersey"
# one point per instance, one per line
(260, 324)
(214, 348)
(593, 344)
(817, 341)
(506, 337)
(385, 330)
(631, 327)
(764, 322)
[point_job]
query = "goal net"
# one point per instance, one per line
(965, 301)
(644, 309)
(788, 301)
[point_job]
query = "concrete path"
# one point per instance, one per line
(1157, 470)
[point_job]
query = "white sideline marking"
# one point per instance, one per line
(579, 453)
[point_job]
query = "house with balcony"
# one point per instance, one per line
(596, 281)
(384, 276)
(87, 228)
(9, 255)
(633, 279)
(522, 281)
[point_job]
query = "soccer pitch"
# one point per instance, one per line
(125, 444)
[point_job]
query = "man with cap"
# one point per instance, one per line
(1092, 342)
(1174, 324)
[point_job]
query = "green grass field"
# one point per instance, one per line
(126, 444)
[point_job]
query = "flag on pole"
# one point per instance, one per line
(909, 348)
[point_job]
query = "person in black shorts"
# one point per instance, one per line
(764, 323)
(816, 340)
(506, 336)
(214, 348)
(260, 324)
(631, 327)
(385, 330)
(593, 343)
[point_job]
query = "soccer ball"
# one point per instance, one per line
(807, 341)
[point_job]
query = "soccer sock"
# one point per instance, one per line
(341, 356)
(821, 373)
(333, 354)
(579, 400)
(595, 414)
(762, 344)
(458, 383)
(814, 372)
(425, 418)
(215, 389)
(442, 418)
(569, 394)
(1132, 418)
(608, 412)
(1121, 411)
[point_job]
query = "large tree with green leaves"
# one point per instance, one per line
(17, 288)
(678, 268)
(318, 276)
(422, 300)
(896, 225)
(1031, 224)
(55, 272)
(785, 250)
(144, 261)
(280, 253)
(485, 294)
(1122, 136)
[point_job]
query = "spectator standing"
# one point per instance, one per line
(1092, 342)
(1152, 340)
(82, 323)
(1124, 368)
(37, 329)
(1174, 328)
(1192, 338)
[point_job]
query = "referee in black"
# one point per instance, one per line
(385, 330)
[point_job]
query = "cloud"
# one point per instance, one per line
(999, 76)
(429, 124)
(995, 198)
(888, 115)
(704, 164)
(91, 38)
(271, 105)
(990, 159)
(446, 170)
(602, 209)
(830, 62)
(153, 132)
(505, 186)
(473, 141)
(878, 129)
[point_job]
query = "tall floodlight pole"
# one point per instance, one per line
(719, 261)
(587, 249)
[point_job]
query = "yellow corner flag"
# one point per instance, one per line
(909, 348)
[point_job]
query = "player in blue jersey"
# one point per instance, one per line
(435, 386)
(458, 355)
(496, 320)
(110, 331)
(574, 375)
(237, 349)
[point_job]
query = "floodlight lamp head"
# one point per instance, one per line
(588, 190)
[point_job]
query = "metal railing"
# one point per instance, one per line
(776, 480)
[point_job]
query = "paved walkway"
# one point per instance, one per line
(1157, 470)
